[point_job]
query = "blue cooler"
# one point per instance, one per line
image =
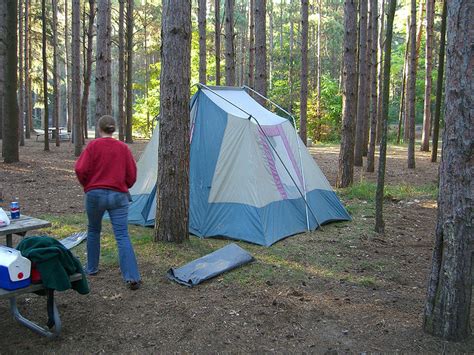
(15, 270)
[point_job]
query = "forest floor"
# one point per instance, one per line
(339, 289)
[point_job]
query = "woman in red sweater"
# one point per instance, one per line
(106, 169)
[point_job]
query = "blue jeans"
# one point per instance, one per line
(116, 204)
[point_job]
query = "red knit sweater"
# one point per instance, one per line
(106, 163)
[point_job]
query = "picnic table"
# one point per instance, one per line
(20, 227)
(52, 133)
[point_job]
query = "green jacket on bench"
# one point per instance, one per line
(55, 263)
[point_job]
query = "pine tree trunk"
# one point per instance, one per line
(88, 66)
(304, 71)
(251, 82)
(380, 77)
(217, 39)
(68, 69)
(45, 77)
(439, 85)
(109, 55)
(229, 43)
(129, 97)
(448, 303)
(425, 136)
(349, 96)
(318, 71)
(147, 71)
(361, 95)
(411, 87)
(27, 85)
(84, 123)
(10, 124)
(121, 71)
(419, 34)
(401, 112)
(373, 86)
(21, 90)
(202, 41)
(367, 122)
(101, 85)
(55, 71)
(379, 223)
(76, 75)
(3, 31)
(270, 49)
(172, 214)
(290, 67)
(260, 49)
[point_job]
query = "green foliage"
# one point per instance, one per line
(327, 127)
(146, 109)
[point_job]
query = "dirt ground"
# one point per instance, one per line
(315, 311)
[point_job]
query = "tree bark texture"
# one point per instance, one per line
(45, 76)
(260, 49)
(129, 97)
(109, 54)
(419, 34)
(229, 43)
(304, 70)
(202, 41)
(318, 74)
(10, 125)
(103, 41)
(68, 68)
(251, 81)
(401, 112)
(172, 213)
(362, 90)
(379, 223)
(439, 85)
(55, 71)
(373, 86)
(21, 87)
(121, 71)
(270, 45)
(88, 66)
(76, 75)
(447, 309)
(27, 85)
(380, 70)
(290, 67)
(3, 32)
(365, 145)
(217, 39)
(425, 133)
(349, 96)
(411, 88)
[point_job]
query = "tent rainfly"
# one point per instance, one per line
(251, 176)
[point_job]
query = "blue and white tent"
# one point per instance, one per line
(251, 177)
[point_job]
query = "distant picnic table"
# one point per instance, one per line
(63, 134)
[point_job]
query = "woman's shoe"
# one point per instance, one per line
(133, 285)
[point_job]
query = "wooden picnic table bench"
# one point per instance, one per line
(20, 227)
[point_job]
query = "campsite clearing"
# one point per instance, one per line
(342, 288)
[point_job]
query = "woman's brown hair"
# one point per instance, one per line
(107, 124)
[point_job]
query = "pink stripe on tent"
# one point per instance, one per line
(271, 163)
(271, 131)
(290, 154)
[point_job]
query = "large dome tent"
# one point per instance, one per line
(251, 176)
